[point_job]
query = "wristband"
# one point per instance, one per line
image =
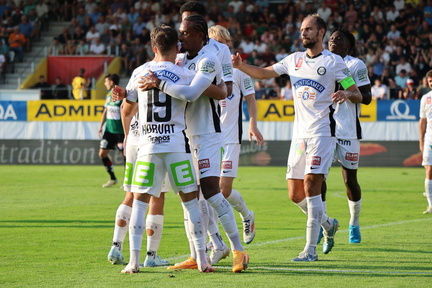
(162, 85)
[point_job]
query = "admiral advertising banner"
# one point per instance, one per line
(281, 110)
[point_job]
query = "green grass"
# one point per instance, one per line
(56, 225)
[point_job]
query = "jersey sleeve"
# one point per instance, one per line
(282, 66)
(360, 74)
(246, 86)
(342, 73)
(227, 68)
(423, 106)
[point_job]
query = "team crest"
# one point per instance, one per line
(321, 71)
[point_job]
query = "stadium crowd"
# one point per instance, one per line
(394, 38)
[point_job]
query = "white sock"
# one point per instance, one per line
(213, 230)
(428, 187)
(324, 206)
(226, 217)
(196, 230)
(154, 228)
(136, 230)
(315, 212)
(237, 202)
(187, 230)
(123, 213)
(355, 208)
(203, 205)
(303, 205)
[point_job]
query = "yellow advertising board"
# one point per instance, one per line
(281, 110)
(65, 110)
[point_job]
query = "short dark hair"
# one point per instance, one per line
(113, 77)
(348, 35)
(194, 6)
(164, 38)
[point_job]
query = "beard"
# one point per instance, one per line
(309, 43)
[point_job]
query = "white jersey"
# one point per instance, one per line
(231, 107)
(426, 112)
(202, 115)
(313, 81)
(161, 117)
(223, 53)
(134, 134)
(346, 114)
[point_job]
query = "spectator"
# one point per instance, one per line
(286, 92)
(379, 91)
(82, 48)
(81, 16)
(64, 37)
(101, 24)
(45, 88)
(92, 35)
(28, 30)
(60, 90)
(391, 14)
(138, 26)
(401, 78)
(393, 34)
(403, 65)
(409, 92)
(79, 85)
(17, 41)
(393, 90)
(97, 47)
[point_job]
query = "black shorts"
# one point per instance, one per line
(111, 141)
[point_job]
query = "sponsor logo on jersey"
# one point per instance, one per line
(362, 74)
(203, 164)
(351, 157)
(321, 71)
(208, 67)
(159, 139)
(346, 72)
(226, 164)
(167, 74)
(315, 161)
(308, 82)
(227, 69)
(298, 64)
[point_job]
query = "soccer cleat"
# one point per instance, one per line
(131, 269)
(329, 237)
(249, 228)
(190, 263)
(424, 194)
(428, 210)
(207, 268)
(354, 234)
(154, 261)
(110, 183)
(320, 235)
(217, 255)
(240, 261)
(305, 257)
(115, 256)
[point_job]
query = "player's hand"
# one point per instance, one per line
(236, 60)
(118, 93)
(148, 82)
(339, 97)
(254, 132)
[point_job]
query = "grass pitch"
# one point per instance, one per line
(56, 225)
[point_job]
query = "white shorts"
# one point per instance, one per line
(347, 152)
(206, 154)
(230, 160)
(150, 172)
(131, 157)
(310, 156)
(427, 154)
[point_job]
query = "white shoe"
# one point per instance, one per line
(424, 194)
(428, 210)
(249, 228)
(130, 269)
(115, 256)
(154, 261)
(109, 183)
(217, 255)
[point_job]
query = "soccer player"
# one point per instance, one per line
(204, 132)
(313, 74)
(113, 135)
(163, 147)
(425, 131)
(218, 249)
(348, 129)
(155, 215)
(231, 119)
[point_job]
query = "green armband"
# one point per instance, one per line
(347, 82)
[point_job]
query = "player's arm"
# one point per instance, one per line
(253, 127)
(253, 71)
(366, 93)
(128, 110)
(102, 121)
(422, 132)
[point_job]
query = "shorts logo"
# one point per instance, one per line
(226, 164)
(351, 156)
(203, 163)
(321, 71)
(315, 161)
